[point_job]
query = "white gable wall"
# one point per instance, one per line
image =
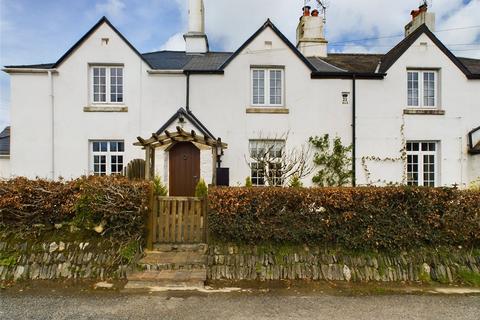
(315, 106)
(151, 100)
(380, 106)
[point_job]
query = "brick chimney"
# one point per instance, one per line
(420, 17)
(196, 39)
(310, 34)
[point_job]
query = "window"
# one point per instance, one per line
(266, 162)
(267, 87)
(107, 84)
(422, 89)
(422, 164)
(107, 157)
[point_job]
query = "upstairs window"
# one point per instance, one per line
(267, 87)
(107, 157)
(107, 84)
(422, 88)
(266, 162)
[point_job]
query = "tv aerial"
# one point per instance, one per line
(322, 6)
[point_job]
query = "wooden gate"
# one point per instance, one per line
(177, 220)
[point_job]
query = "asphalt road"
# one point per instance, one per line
(240, 305)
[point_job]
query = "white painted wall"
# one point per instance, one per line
(220, 102)
(380, 106)
(5, 170)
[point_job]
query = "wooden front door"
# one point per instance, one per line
(184, 163)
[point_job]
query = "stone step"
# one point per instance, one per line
(170, 279)
(197, 247)
(173, 259)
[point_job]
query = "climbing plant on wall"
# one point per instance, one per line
(333, 161)
(402, 157)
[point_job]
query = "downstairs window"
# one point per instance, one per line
(107, 157)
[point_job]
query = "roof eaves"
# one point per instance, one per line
(267, 24)
(89, 33)
(347, 75)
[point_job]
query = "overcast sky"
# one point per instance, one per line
(33, 31)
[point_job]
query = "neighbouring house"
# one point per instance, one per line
(410, 114)
(5, 153)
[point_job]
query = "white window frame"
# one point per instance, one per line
(108, 70)
(277, 146)
(267, 101)
(420, 153)
(421, 88)
(108, 154)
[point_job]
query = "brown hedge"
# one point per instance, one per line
(112, 207)
(389, 218)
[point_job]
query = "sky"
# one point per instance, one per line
(33, 31)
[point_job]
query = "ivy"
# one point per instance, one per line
(334, 162)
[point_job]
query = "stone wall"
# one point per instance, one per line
(63, 260)
(231, 262)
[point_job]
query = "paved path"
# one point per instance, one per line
(240, 305)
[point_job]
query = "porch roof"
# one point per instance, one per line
(160, 140)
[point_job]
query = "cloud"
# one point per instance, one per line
(229, 23)
(174, 43)
(111, 8)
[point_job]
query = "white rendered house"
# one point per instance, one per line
(412, 114)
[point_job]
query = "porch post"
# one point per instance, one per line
(214, 166)
(152, 164)
(147, 163)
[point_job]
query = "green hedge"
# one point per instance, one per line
(393, 218)
(107, 207)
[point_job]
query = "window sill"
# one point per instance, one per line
(106, 108)
(419, 111)
(268, 110)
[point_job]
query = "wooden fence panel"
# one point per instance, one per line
(178, 220)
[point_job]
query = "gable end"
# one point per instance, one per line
(88, 34)
(396, 52)
(269, 24)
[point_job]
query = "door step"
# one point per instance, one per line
(171, 267)
(170, 279)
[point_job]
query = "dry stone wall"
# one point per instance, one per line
(62, 260)
(232, 262)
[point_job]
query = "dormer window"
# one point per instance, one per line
(422, 88)
(107, 84)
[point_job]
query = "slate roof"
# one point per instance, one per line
(352, 62)
(180, 60)
(5, 142)
(336, 64)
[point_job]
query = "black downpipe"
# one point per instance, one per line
(187, 97)
(354, 132)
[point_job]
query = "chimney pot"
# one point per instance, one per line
(306, 11)
(315, 13)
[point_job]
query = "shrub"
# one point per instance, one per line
(111, 206)
(159, 188)
(201, 190)
(248, 182)
(391, 218)
(295, 182)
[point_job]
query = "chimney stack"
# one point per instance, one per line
(420, 17)
(196, 39)
(310, 34)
